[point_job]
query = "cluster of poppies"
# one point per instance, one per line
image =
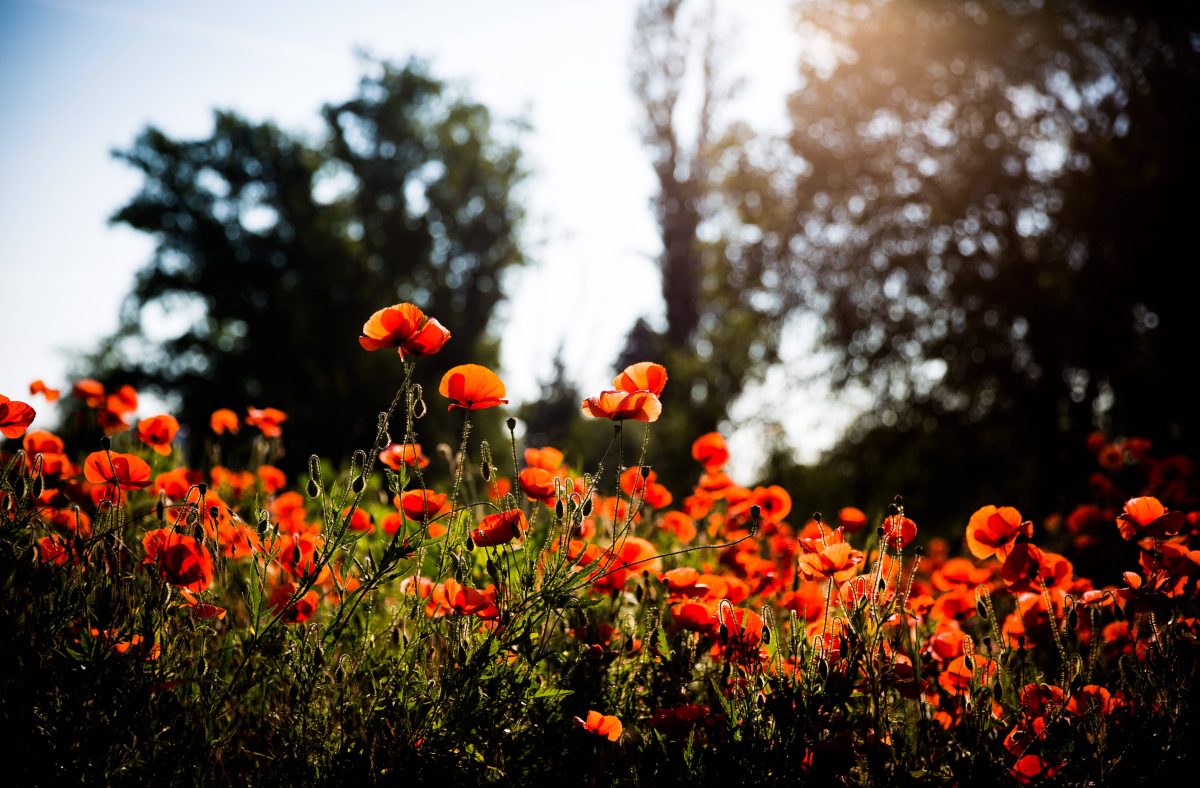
(815, 573)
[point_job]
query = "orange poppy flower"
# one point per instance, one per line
(399, 455)
(297, 612)
(157, 432)
(360, 521)
(538, 485)
(710, 451)
(15, 417)
(898, 531)
(993, 531)
(837, 561)
(223, 420)
(472, 387)
(182, 560)
(956, 678)
(273, 480)
(39, 387)
(267, 420)
(621, 406)
(1025, 565)
(127, 471)
(604, 725)
(420, 504)
(500, 528)
(1146, 516)
(90, 391)
(679, 524)
(959, 573)
(851, 519)
(644, 376)
(406, 328)
(122, 402)
(548, 458)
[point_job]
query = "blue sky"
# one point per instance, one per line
(79, 78)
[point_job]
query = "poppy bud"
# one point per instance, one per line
(997, 690)
(511, 423)
(419, 409)
(213, 513)
(817, 517)
(880, 532)
(160, 509)
(339, 675)
(639, 592)
(296, 554)
(981, 609)
(644, 471)
(969, 662)
(823, 668)
(892, 510)
(313, 488)
(882, 584)
(358, 485)
(987, 643)
(38, 486)
(486, 471)
(203, 488)
(1118, 612)
(395, 636)
(1072, 617)
(766, 636)
(898, 500)
(559, 509)
(262, 525)
(919, 549)
(723, 632)
(19, 488)
(587, 507)
(105, 443)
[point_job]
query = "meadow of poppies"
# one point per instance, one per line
(503, 613)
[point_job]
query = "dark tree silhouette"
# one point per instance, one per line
(281, 248)
(996, 222)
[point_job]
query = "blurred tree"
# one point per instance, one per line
(995, 206)
(272, 251)
(723, 309)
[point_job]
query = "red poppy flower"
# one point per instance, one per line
(959, 573)
(548, 458)
(1146, 516)
(90, 391)
(710, 451)
(360, 521)
(297, 612)
(500, 528)
(157, 432)
(957, 677)
(39, 387)
(621, 406)
(898, 531)
(182, 560)
(679, 524)
(223, 420)
(1025, 565)
(273, 480)
(538, 485)
(267, 420)
(837, 561)
(406, 328)
(123, 401)
(851, 519)
(604, 725)
(644, 376)
(472, 387)
(15, 417)
(993, 531)
(420, 504)
(127, 471)
(399, 455)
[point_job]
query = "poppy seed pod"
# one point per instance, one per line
(511, 422)
(202, 488)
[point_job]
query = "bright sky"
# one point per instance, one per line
(79, 78)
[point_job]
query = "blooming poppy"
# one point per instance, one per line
(993, 531)
(399, 455)
(621, 405)
(90, 391)
(236, 482)
(710, 451)
(123, 401)
(679, 524)
(1146, 516)
(298, 611)
(644, 376)
(223, 420)
(15, 417)
(898, 531)
(472, 387)
(127, 471)
(538, 485)
(157, 432)
(548, 458)
(267, 420)
(500, 528)
(406, 328)
(273, 480)
(837, 561)
(851, 519)
(956, 678)
(182, 560)
(39, 387)
(420, 504)
(604, 725)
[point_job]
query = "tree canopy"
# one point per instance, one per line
(276, 248)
